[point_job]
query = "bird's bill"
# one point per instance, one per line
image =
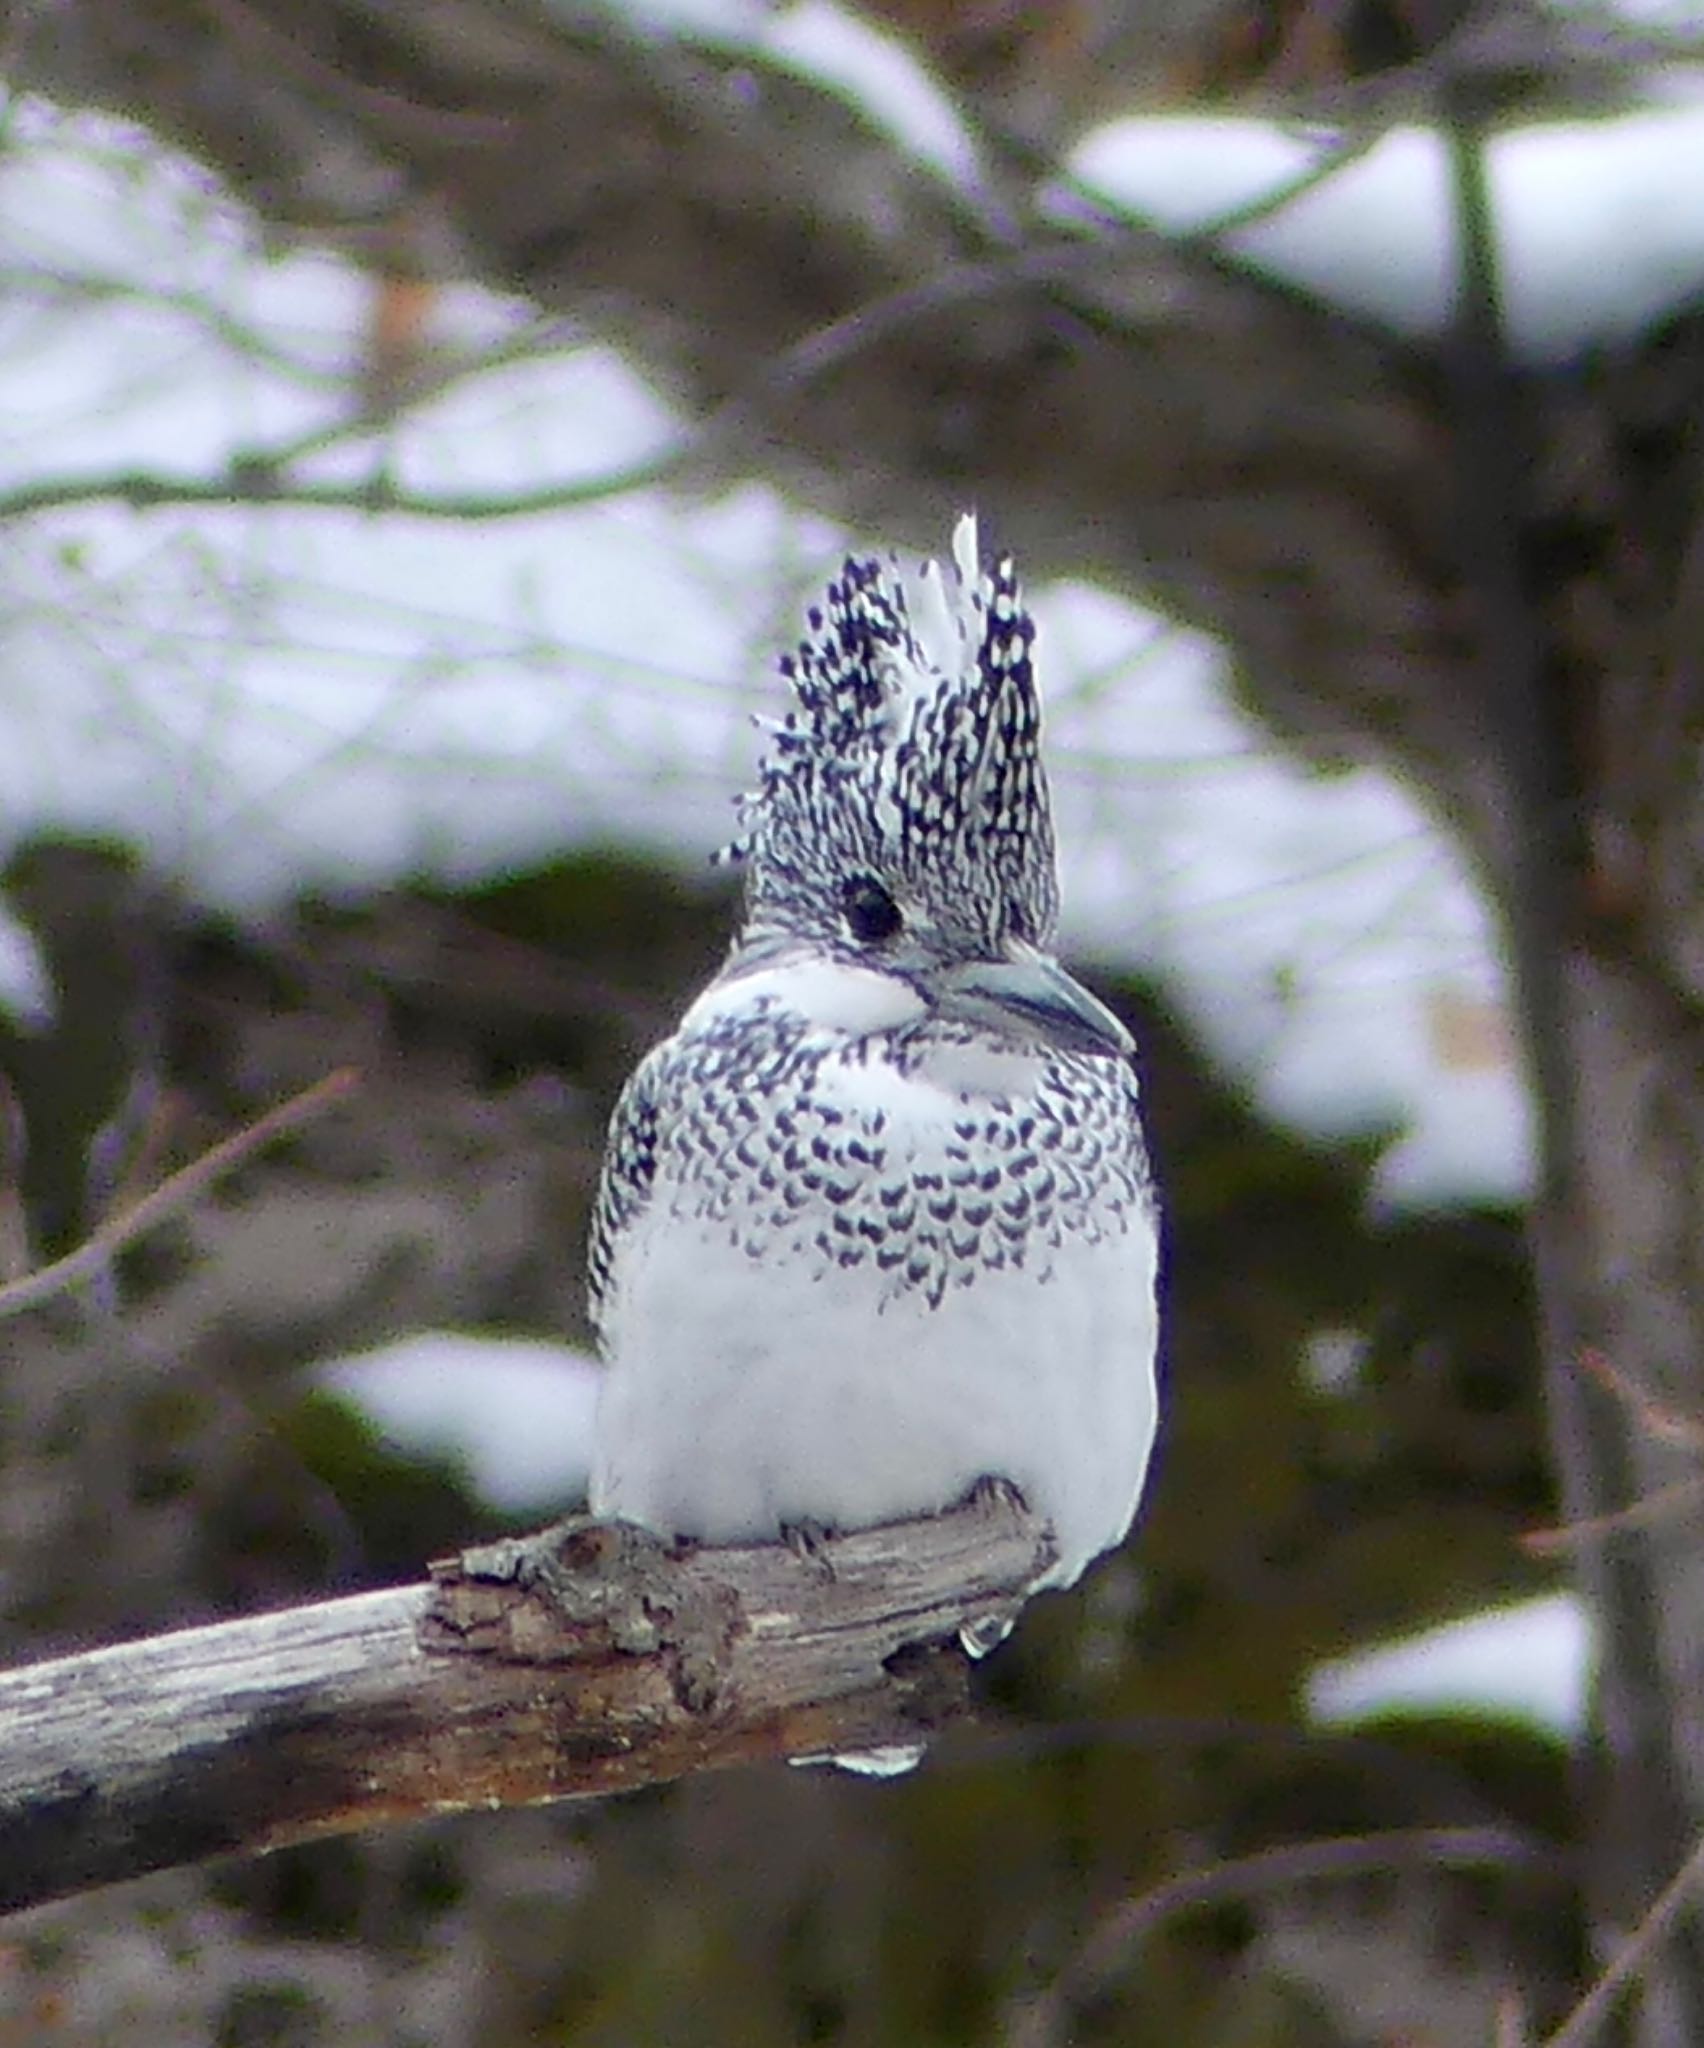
(1032, 998)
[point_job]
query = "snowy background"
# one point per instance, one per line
(276, 700)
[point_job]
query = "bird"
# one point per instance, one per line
(876, 1223)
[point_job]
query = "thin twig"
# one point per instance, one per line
(1111, 1945)
(1583, 2022)
(1659, 1421)
(1662, 1424)
(172, 1196)
(264, 476)
(539, 340)
(1586, 54)
(395, 115)
(255, 482)
(1642, 1514)
(138, 1172)
(1113, 217)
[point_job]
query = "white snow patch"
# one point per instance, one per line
(1532, 1662)
(517, 1414)
(1595, 244)
(721, 21)
(825, 43)
(1311, 927)
(27, 993)
(1333, 1360)
(1474, 1140)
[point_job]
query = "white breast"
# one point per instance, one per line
(750, 1391)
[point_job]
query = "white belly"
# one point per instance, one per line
(746, 1393)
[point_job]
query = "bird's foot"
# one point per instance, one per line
(808, 1541)
(991, 1493)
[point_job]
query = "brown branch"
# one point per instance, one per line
(1644, 1513)
(172, 1196)
(1662, 1424)
(587, 1662)
(1539, 764)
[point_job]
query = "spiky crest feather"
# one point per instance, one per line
(912, 754)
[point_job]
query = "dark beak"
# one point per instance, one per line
(1030, 997)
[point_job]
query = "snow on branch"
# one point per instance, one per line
(588, 1660)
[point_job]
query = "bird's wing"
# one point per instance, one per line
(629, 1167)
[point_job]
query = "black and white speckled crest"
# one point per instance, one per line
(913, 757)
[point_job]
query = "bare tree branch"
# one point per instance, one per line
(1112, 1946)
(172, 1196)
(590, 1661)
(258, 482)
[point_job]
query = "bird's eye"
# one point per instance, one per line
(871, 913)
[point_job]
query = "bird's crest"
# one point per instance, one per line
(913, 752)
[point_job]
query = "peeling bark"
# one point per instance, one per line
(590, 1661)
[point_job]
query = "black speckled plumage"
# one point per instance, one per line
(746, 1133)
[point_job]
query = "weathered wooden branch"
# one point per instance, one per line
(586, 1662)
